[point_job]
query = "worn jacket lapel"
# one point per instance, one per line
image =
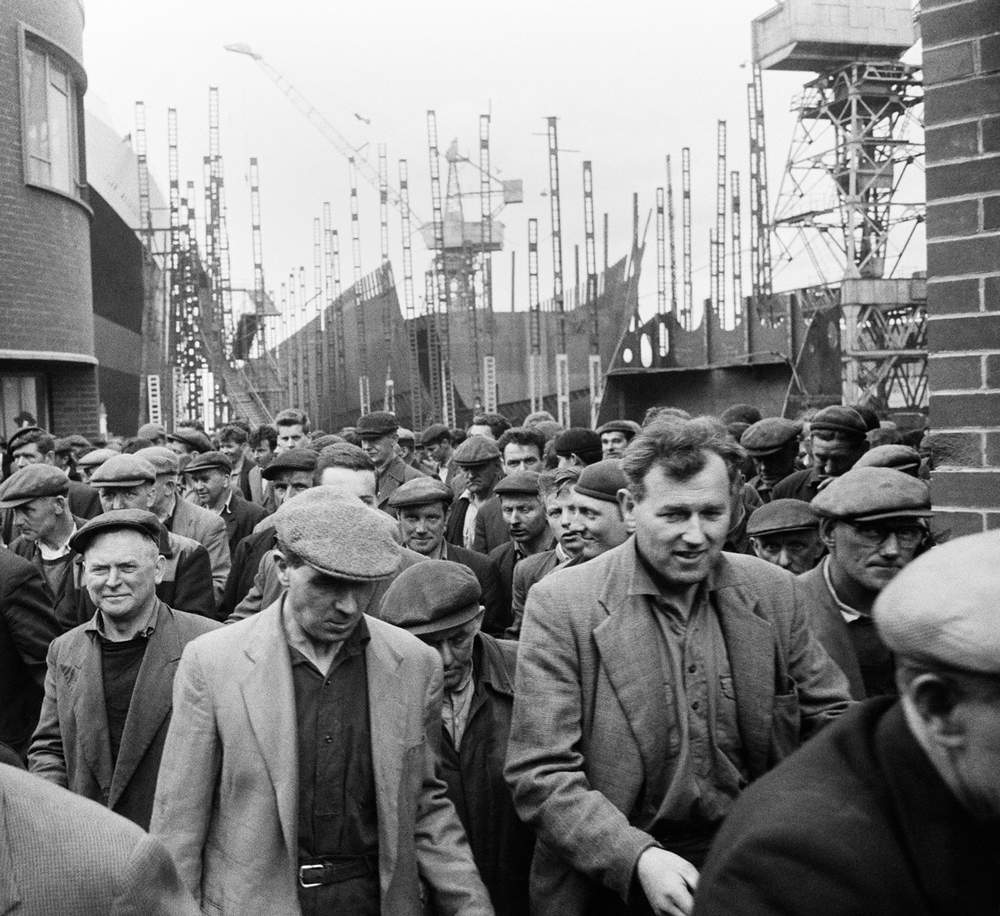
(83, 676)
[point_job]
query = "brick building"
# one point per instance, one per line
(962, 77)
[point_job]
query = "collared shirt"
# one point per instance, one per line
(55, 553)
(469, 522)
(224, 508)
(456, 706)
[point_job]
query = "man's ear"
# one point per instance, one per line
(283, 567)
(936, 699)
(626, 502)
(160, 568)
(826, 526)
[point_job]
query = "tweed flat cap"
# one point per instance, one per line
(420, 492)
(434, 433)
(769, 435)
(740, 413)
(139, 520)
(432, 596)
(577, 440)
(476, 450)
(295, 459)
(942, 607)
(151, 431)
(781, 515)
(629, 427)
(376, 424)
(901, 457)
(318, 443)
(602, 480)
(519, 483)
(18, 437)
(32, 482)
(870, 494)
(406, 435)
(340, 537)
(193, 438)
(70, 442)
(96, 458)
(209, 461)
(837, 419)
(161, 458)
(124, 471)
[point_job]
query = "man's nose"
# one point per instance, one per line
(784, 558)
(694, 532)
(447, 656)
(890, 545)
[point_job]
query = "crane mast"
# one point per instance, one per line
(442, 288)
(364, 384)
(409, 305)
(486, 264)
(687, 312)
(719, 258)
(671, 237)
(555, 209)
(736, 210)
(262, 337)
(534, 320)
(594, 368)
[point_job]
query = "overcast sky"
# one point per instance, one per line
(630, 81)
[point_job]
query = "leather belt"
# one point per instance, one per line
(334, 869)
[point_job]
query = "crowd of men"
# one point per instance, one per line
(501, 669)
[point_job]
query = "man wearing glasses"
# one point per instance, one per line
(873, 523)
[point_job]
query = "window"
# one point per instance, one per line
(51, 121)
(22, 393)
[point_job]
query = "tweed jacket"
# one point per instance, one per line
(226, 803)
(586, 729)
(209, 530)
(526, 573)
(396, 473)
(858, 822)
(490, 528)
(71, 747)
(62, 854)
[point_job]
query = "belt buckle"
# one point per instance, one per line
(303, 869)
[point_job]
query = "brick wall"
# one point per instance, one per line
(73, 393)
(962, 113)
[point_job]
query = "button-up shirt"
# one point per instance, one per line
(455, 708)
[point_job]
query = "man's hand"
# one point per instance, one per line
(668, 881)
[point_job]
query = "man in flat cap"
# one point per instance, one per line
(379, 435)
(598, 518)
(109, 682)
(892, 810)
(475, 521)
(92, 460)
(439, 603)
(836, 441)
(422, 510)
(577, 446)
(152, 432)
(873, 523)
(183, 517)
(186, 440)
(653, 683)
(185, 582)
(900, 457)
(210, 479)
(773, 444)
(785, 532)
(615, 437)
(327, 721)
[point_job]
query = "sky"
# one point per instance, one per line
(629, 80)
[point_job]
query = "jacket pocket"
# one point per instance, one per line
(785, 724)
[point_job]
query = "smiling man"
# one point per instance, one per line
(653, 683)
(598, 517)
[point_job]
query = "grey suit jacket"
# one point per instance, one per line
(71, 748)
(62, 854)
(586, 728)
(209, 530)
(226, 803)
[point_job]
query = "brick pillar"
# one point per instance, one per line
(962, 115)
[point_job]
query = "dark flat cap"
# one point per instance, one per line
(740, 413)
(193, 438)
(629, 427)
(870, 494)
(517, 484)
(15, 440)
(160, 457)
(321, 442)
(434, 433)
(602, 480)
(837, 419)
(769, 435)
(901, 457)
(71, 442)
(124, 471)
(209, 461)
(151, 431)
(577, 440)
(377, 423)
(295, 459)
(139, 520)
(420, 492)
(406, 435)
(781, 515)
(340, 537)
(32, 482)
(96, 458)
(476, 450)
(432, 596)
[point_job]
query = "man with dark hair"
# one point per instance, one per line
(521, 448)
(264, 443)
(437, 444)
(292, 427)
(379, 436)
(654, 682)
(233, 443)
(491, 425)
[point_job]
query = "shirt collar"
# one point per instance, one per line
(96, 624)
(225, 508)
(645, 579)
(49, 553)
(846, 611)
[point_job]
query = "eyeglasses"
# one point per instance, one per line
(875, 535)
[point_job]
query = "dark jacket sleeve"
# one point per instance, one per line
(27, 611)
(192, 590)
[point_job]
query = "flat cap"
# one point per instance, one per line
(602, 480)
(837, 419)
(406, 435)
(942, 607)
(71, 442)
(151, 431)
(318, 443)
(578, 440)
(295, 459)
(209, 460)
(340, 537)
(432, 596)
(193, 438)
(421, 491)
(769, 435)
(901, 457)
(15, 440)
(434, 433)
(476, 450)
(124, 471)
(96, 457)
(740, 413)
(139, 520)
(870, 494)
(781, 515)
(377, 423)
(161, 458)
(517, 484)
(32, 482)
(629, 427)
